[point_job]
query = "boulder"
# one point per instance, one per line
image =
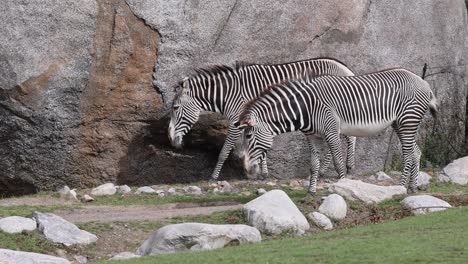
(123, 189)
(382, 176)
(457, 171)
(225, 186)
(334, 206)
(145, 189)
(87, 198)
(321, 220)
(194, 190)
(261, 191)
(58, 230)
(171, 191)
(124, 256)
(274, 213)
(17, 224)
(369, 193)
(422, 204)
(196, 236)
(104, 189)
(20, 257)
(423, 180)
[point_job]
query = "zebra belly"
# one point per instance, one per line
(364, 130)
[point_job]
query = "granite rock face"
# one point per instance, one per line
(85, 86)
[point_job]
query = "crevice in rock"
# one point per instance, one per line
(324, 32)
(223, 26)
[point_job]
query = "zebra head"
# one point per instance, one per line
(185, 112)
(256, 140)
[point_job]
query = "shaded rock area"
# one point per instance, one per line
(85, 87)
(11, 256)
(197, 236)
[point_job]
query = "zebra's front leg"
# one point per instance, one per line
(232, 136)
(315, 164)
(263, 164)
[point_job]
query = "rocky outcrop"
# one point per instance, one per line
(456, 171)
(85, 86)
(196, 236)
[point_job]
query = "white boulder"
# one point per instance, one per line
(145, 189)
(422, 204)
(20, 257)
(423, 180)
(334, 206)
(382, 176)
(196, 236)
(194, 190)
(457, 171)
(58, 230)
(321, 220)
(104, 189)
(261, 191)
(369, 193)
(124, 256)
(274, 213)
(124, 189)
(17, 224)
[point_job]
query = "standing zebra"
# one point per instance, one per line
(330, 105)
(225, 90)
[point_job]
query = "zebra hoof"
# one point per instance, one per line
(411, 190)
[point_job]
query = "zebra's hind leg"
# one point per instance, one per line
(410, 152)
(413, 182)
(350, 158)
(232, 136)
(334, 143)
(315, 164)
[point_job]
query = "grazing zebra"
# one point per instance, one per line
(329, 105)
(225, 90)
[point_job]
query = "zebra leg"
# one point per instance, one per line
(326, 162)
(232, 136)
(350, 158)
(263, 164)
(410, 159)
(334, 143)
(315, 164)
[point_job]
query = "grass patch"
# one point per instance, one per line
(446, 187)
(221, 218)
(31, 242)
(27, 210)
(437, 237)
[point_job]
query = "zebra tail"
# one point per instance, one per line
(433, 106)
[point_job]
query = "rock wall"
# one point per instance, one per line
(85, 86)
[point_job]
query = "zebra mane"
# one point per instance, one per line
(214, 69)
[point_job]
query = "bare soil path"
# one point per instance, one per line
(105, 213)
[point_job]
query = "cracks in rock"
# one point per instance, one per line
(18, 113)
(318, 36)
(366, 14)
(226, 21)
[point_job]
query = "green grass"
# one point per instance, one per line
(27, 210)
(435, 238)
(221, 218)
(446, 187)
(31, 242)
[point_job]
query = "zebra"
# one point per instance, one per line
(226, 89)
(331, 105)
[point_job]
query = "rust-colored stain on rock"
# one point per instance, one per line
(120, 96)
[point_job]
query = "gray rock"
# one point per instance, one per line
(67, 193)
(104, 189)
(457, 171)
(145, 189)
(369, 193)
(196, 236)
(81, 259)
(124, 256)
(321, 220)
(423, 180)
(422, 204)
(342, 29)
(17, 224)
(274, 213)
(261, 191)
(58, 230)
(20, 257)
(194, 190)
(87, 198)
(225, 186)
(334, 206)
(124, 189)
(171, 191)
(382, 176)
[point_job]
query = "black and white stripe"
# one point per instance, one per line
(330, 105)
(225, 89)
